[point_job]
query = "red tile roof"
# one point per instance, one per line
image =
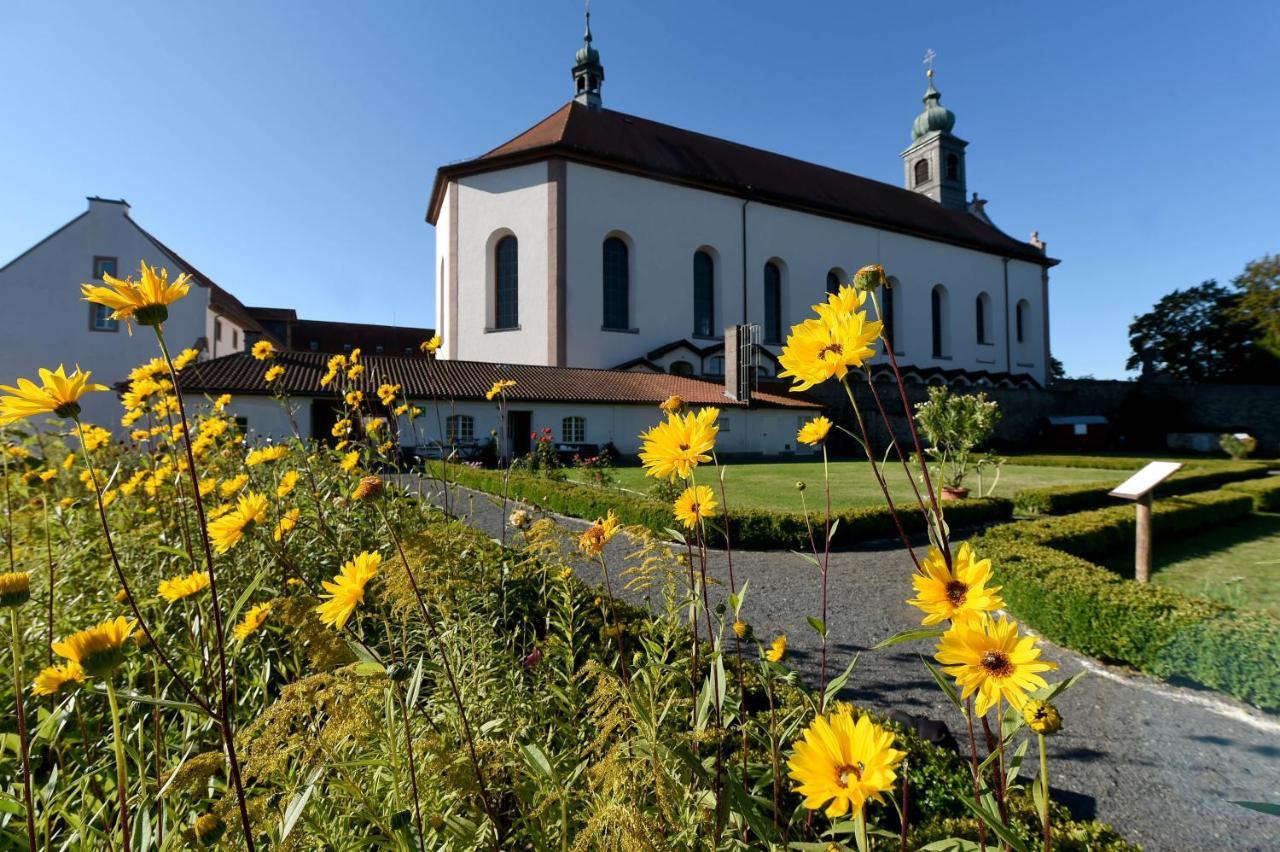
(424, 378)
(627, 143)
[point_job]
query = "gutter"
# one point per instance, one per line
(745, 311)
(1008, 360)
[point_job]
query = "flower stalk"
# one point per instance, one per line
(24, 739)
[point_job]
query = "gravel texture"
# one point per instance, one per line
(1160, 763)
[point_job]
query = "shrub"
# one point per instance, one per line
(955, 425)
(1072, 498)
(1238, 445)
(1264, 491)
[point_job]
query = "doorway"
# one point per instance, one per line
(519, 429)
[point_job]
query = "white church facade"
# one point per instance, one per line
(597, 239)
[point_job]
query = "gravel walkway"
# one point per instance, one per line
(1158, 762)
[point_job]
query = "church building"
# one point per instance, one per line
(605, 240)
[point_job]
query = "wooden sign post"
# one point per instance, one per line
(1139, 488)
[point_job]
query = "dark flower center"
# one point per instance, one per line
(845, 771)
(684, 448)
(997, 664)
(956, 592)
(833, 348)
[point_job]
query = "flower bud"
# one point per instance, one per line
(870, 277)
(1042, 717)
(15, 589)
(368, 487)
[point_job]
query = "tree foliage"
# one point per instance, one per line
(1258, 301)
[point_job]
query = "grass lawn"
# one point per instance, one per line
(1237, 564)
(771, 485)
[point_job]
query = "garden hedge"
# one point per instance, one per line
(1055, 499)
(1265, 492)
(749, 528)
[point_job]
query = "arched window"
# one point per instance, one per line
(922, 172)
(617, 284)
(681, 368)
(704, 295)
(982, 317)
(938, 305)
(888, 299)
(506, 290)
(573, 430)
(715, 365)
(953, 167)
(459, 429)
(772, 303)
(1021, 317)
(833, 282)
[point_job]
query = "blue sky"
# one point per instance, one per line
(288, 148)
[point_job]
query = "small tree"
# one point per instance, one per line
(954, 426)
(1238, 445)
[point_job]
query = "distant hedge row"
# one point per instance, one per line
(748, 528)
(1265, 492)
(1056, 499)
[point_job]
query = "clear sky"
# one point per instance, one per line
(288, 148)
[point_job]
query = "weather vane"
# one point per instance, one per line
(929, 56)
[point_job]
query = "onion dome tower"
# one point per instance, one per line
(588, 73)
(933, 165)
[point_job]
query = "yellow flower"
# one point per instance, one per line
(354, 398)
(263, 455)
(337, 362)
(47, 475)
(346, 591)
(288, 521)
(674, 448)
(368, 486)
(222, 402)
(57, 393)
(207, 485)
(414, 412)
(341, 428)
(499, 387)
(51, 680)
(208, 829)
(226, 531)
(229, 488)
(355, 371)
(263, 350)
(175, 589)
(355, 355)
(213, 427)
(93, 437)
(672, 404)
(844, 763)
(185, 357)
(777, 650)
(253, 619)
(327, 378)
(350, 460)
(826, 347)
(741, 629)
(341, 445)
(69, 462)
(373, 424)
(814, 432)
(596, 536)
(988, 657)
(15, 588)
(958, 594)
(1042, 717)
(431, 345)
(273, 372)
(98, 650)
(697, 502)
(387, 393)
(287, 483)
(147, 300)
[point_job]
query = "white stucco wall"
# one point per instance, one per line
(264, 415)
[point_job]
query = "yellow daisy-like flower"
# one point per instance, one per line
(273, 373)
(264, 455)
(93, 437)
(346, 591)
(51, 680)
(287, 522)
(287, 483)
(341, 429)
(430, 345)
(47, 475)
(263, 350)
(741, 629)
(697, 502)
(253, 619)
(98, 650)
(207, 485)
(146, 300)
(387, 393)
(842, 764)
(826, 347)
(57, 393)
(989, 658)
(1042, 717)
(175, 589)
(226, 531)
(350, 460)
(956, 594)
(499, 387)
(355, 371)
(70, 462)
(336, 363)
(354, 398)
(814, 432)
(595, 537)
(222, 402)
(672, 404)
(15, 588)
(373, 424)
(327, 378)
(185, 358)
(229, 488)
(674, 448)
(777, 649)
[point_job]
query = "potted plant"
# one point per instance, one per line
(955, 424)
(1238, 445)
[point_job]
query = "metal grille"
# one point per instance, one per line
(749, 336)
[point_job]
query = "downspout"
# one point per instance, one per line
(745, 311)
(1008, 361)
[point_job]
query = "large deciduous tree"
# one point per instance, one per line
(1258, 301)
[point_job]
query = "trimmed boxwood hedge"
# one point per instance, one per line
(1055, 499)
(1265, 492)
(749, 528)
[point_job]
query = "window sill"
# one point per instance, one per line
(942, 357)
(986, 344)
(706, 337)
(986, 360)
(497, 330)
(1020, 364)
(620, 330)
(106, 330)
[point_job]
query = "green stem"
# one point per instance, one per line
(1044, 786)
(122, 772)
(23, 738)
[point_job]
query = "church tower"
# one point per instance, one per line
(934, 163)
(588, 73)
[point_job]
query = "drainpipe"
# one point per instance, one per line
(1008, 361)
(745, 311)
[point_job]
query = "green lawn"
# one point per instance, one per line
(1238, 564)
(771, 485)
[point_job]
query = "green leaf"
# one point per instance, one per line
(837, 683)
(536, 759)
(369, 669)
(299, 802)
(909, 636)
(244, 596)
(819, 626)
(945, 685)
(142, 698)
(993, 822)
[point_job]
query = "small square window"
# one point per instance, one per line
(104, 265)
(726, 425)
(100, 319)
(314, 345)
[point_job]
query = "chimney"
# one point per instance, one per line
(1039, 243)
(108, 205)
(741, 345)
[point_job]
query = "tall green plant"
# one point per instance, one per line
(955, 425)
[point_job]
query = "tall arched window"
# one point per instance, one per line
(938, 305)
(506, 280)
(681, 368)
(617, 284)
(573, 430)
(704, 294)
(982, 316)
(833, 282)
(953, 167)
(922, 172)
(1021, 318)
(888, 297)
(772, 303)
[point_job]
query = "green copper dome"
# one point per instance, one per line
(934, 117)
(587, 54)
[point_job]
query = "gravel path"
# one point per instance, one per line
(1158, 762)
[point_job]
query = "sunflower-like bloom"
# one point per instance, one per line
(430, 345)
(287, 483)
(15, 588)
(697, 502)
(98, 650)
(285, 525)
(988, 657)
(51, 680)
(341, 428)
(175, 589)
(595, 537)
(674, 448)
(959, 593)
(222, 402)
(146, 300)
(57, 393)
(1042, 717)
(672, 404)
(373, 424)
(741, 629)
(350, 460)
(346, 591)
(229, 487)
(226, 531)
(367, 487)
(826, 347)
(264, 455)
(355, 371)
(844, 763)
(814, 432)
(253, 619)
(387, 393)
(93, 437)
(354, 398)
(777, 649)
(273, 373)
(263, 350)
(499, 387)
(185, 358)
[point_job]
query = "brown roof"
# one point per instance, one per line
(426, 378)
(627, 143)
(337, 336)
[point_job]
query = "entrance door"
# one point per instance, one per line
(519, 427)
(323, 415)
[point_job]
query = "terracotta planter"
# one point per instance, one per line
(954, 493)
